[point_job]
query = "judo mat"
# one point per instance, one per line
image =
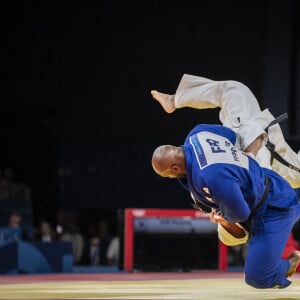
(198, 285)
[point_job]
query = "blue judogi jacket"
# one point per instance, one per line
(223, 178)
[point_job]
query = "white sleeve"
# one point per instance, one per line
(228, 239)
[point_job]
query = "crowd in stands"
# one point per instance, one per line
(98, 248)
(93, 246)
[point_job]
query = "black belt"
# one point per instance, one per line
(247, 224)
(271, 147)
(264, 196)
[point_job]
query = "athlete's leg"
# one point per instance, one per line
(264, 266)
(238, 104)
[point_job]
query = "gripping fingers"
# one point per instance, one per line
(215, 217)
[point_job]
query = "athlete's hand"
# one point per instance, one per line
(216, 217)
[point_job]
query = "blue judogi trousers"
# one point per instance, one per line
(271, 227)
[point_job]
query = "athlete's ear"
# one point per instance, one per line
(176, 168)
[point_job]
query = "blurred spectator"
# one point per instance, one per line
(105, 238)
(71, 233)
(95, 251)
(14, 220)
(15, 223)
(113, 250)
(45, 233)
(92, 252)
(96, 246)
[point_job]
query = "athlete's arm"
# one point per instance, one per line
(230, 234)
(233, 228)
(228, 196)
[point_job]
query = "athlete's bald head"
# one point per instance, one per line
(169, 161)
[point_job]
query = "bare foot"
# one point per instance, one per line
(294, 260)
(166, 101)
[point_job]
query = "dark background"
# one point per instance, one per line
(78, 123)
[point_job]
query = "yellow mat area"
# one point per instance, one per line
(196, 289)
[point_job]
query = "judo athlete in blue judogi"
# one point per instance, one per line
(247, 198)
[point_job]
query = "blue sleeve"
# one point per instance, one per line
(228, 196)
